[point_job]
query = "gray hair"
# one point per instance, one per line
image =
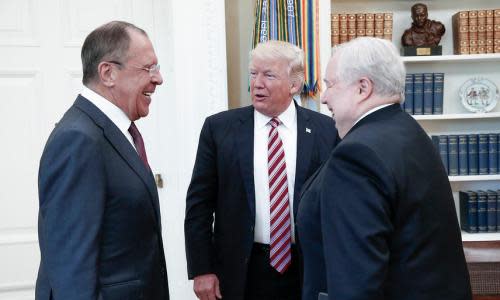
(109, 42)
(292, 54)
(374, 58)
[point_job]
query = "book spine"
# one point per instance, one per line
(351, 26)
(388, 17)
(460, 24)
(472, 213)
(489, 31)
(343, 28)
(472, 149)
(438, 84)
(496, 31)
(498, 210)
(463, 202)
(481, 31)
(409, 94)
(483, 154)
(453, 155)
(370, 24)
(463, 156)
(418, 94)
(379, 25)
(493, 153)
(482, 211)
(492, 211)
(335, 29)
(441, 144)
(473, 32)
(360, 25)
(428, 89)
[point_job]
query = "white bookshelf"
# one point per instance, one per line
(486, 236)
(457, 69)
(472, 178)
(462, 116)
(454, 58)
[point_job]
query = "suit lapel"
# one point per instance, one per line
(305, 141)
(124, 148)
(244, 147)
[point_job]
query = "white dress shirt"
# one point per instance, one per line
(288, 133)
(113, 112)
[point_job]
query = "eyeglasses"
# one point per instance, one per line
(153, 70)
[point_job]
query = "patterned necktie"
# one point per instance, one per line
(280, 254)
(139, 143)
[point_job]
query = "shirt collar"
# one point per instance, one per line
(287, 118)
(113, 112)
(372, 111)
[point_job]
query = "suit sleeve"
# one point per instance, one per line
(356, 223)
(200, 207)
(72, 200)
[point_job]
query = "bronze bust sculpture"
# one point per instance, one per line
(423, 32)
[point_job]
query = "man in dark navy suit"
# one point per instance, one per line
(378, 220)
(99, 220)
(239, 228)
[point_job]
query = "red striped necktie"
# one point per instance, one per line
(139, 143)
(280, 233)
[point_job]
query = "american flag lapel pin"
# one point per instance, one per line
(308, 130)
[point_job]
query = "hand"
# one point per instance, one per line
(206, 287)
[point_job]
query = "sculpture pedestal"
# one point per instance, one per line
(422, 51)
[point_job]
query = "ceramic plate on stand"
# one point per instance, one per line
(479, 95)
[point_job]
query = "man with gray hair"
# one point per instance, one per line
(378, 221)
(250, 166)
(99, 221)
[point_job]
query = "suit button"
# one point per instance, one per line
(251, 228)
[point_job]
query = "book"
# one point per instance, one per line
(472, 150)
(489, 31)
(463, 155)
(441, 144)
(498, 210)
(468, 211)
(388, 17)
(408, 104)
(496, 31)
(492, 211)
(483, 154)
(453, 155)
(379, 25)
(418, 94)
(493, 153)
(438, 84)
(481, 31)
(473, 32)
(482, 208)
(335, 23)
(460, 25)
(370, 24)
(428, 93)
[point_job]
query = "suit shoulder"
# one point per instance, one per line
(230, 115)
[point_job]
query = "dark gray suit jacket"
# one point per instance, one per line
(378, 220)
(99, 221)
(222, 186)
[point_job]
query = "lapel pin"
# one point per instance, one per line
(308, 130)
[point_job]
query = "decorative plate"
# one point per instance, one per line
(479, 95)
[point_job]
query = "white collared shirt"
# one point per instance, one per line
(372, 111)
(113, 112)
(288, 133)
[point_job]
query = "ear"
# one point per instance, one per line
(294, 88)
(106, 74)
(365, 88)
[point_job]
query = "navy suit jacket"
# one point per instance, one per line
(378, 220)
(222, 186)
(99, 221)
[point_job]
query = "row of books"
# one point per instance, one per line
(424, 94)
(469, 154)
(346, 27)
(480, 211)
(476, 31)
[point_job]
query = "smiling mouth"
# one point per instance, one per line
(147, 94)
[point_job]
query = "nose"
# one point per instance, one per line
(157, 79)
(323, 98)
(257, 81)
